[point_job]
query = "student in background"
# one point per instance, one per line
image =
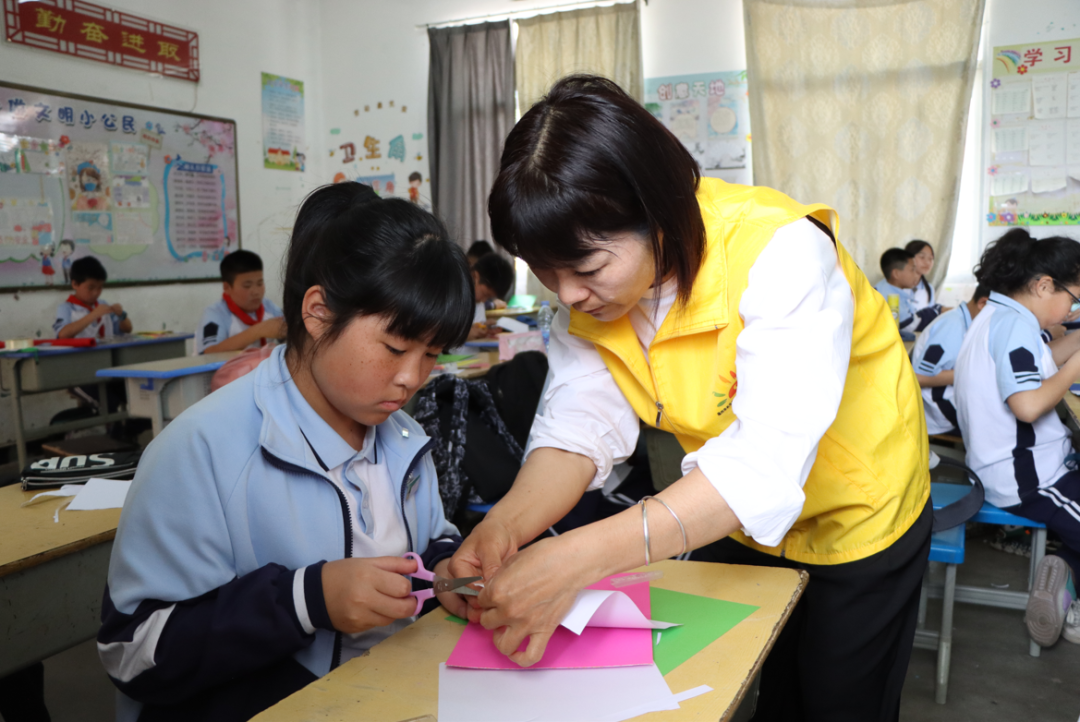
(261, 542)
(493, 276)
(242, 318)
(934, 358)
(478, 250)
(1008, 384)
(923, 299)
(898, 267)
(84, 314)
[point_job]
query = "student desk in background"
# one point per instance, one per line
(41, 369)
(52, 576)
(1071, 404)
(161, 390)
(399, 678)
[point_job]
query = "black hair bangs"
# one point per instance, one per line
(406, 270)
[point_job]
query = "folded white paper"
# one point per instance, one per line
(604, 608)
(512, 325)
(66, 490)
(100, 494)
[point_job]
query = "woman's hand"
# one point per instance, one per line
(528, 598)
(452, 602)
(365, 593)
(481, 555)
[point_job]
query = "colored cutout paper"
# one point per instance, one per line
(594, 647)
(606, 608)
(702, 621)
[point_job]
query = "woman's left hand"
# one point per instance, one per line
(528, 597)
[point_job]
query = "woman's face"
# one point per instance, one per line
(366, 374)
(924, 260)
(608, 282)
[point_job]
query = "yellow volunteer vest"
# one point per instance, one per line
(871, 479)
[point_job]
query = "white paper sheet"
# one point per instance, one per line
(1046, 143)
(1012, 98)
(1072, 142)
(603, 608)
(1010, 140)
(551, 695)
(1074, 95)
(1010, 184)
(1047, 180)
(67, 490)
(101, 494)
(512, 325)
(1051, 95)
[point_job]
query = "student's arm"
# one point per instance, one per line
(945, 378)
(124, 326)
(269, 328)
(74, 328)
(1029, 405)
(1065, 347)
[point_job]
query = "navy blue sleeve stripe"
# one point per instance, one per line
(439, 549)
(313, 597)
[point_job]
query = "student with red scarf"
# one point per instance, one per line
(242, 318)
(83, 314)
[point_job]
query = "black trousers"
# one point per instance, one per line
(844, 653)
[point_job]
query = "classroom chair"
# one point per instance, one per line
(946, 547)
(943, 494)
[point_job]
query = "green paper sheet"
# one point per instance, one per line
(457, 620)
(446, 358)
(703, 620)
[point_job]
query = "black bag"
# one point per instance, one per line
(59, 470)
(480, 428)
(966, 506)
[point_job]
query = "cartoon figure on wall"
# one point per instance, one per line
(47, 264)
(67, 247)
(415, 179)
(299, 161)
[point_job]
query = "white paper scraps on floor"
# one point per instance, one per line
(101, 494)
(604, 608)
(66, 490)
(551, 695)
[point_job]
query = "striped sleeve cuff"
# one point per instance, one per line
(308, 600)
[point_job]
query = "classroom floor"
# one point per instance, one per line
(993, 678)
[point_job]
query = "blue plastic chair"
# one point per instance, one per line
(943, 494)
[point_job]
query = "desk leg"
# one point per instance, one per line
(16, 414)
(157, 422)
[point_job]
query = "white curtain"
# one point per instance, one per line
(862, 104)
(603, 41)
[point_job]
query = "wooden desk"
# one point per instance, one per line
(399, 678)
(1071, 406)
(513, 312)
(161, 390)
(42, 369)
(52, 576)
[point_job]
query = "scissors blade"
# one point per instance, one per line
(459, 585)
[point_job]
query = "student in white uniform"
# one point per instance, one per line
(261, 543)
(934, 358)
(1008, 383)
(83, 314)
(900, 276)
(243, 318)
(923, 299)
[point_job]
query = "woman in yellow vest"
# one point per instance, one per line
(728, 316)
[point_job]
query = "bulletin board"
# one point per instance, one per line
(1034, 135)
(151, 193)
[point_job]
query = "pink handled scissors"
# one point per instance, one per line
(439, 584)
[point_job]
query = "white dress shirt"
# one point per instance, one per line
(791, 358)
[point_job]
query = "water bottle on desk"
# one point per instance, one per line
(543, 320)
(894, 307)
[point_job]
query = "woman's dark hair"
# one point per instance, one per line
(916, 246)
(376, 256)
(1011, 262)
(587, 162)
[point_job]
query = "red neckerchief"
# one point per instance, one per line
(244, 316)
(79, 302)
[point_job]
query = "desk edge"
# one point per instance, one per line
(36, 559)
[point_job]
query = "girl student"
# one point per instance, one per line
(923, 299)
(261, 544)
(1008, 382)
(684, 302)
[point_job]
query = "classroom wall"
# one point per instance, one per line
(237, 41)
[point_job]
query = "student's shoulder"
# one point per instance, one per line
(272, 308)
(216, 309)
(227, 422)
(1008, 330)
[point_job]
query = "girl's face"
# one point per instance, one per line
(366, 374)
(1049, 302)
(608, 282)
(924, 260)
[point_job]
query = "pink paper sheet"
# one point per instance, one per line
(594, 647)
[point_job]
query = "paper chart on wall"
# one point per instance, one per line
(1047, 180)
(1013, 98)
(1010, 140)
(25, 222)
(1046, 143)
(1050, 93)
(1074, 95)
(1010, 184)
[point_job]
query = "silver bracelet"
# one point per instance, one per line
(677, 520)
(645, 525)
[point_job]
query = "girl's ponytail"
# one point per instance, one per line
(1011, 262)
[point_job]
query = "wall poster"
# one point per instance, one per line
(282, 122)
